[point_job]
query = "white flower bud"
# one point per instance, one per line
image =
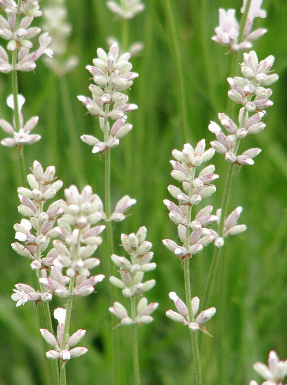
(53, 355)
(148, 267)
(49, 337)
(26, 211)
(207, 155)
(218, 147)
(148, 285)
(207, 191)
(77, 352)
(117, 282)
(76, 337)
(205, 315)
(169, 244)
(174, 316)
(146, 319)
(195, 199)
(234, 230)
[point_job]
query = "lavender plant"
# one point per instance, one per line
(17, 31)
(131, 283)
(35, 235)
(194, 234)
(249, 91)
(111, 75)
(64, 270)
(252, 93)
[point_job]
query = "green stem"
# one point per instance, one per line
(47, 313)
(69, 306)
(75, 155)
(187, 289)
(217, 250)
(136, 366)
(179, 69)
(125, 36)
(15, 99)
(22, 166)
(110, 268)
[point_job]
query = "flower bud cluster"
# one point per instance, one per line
(132, 274)
(126, 9)
(23, 136)
(274, 373)
(182, 315)
(60, 352)
(193, 234)
(250, 92)
(111, 74)
(79, 239)
(34, 234)
(55, 22)
(18, 32)
(227, 33)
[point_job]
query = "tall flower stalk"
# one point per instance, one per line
(72, 259)
(35, 235)
(111, 74)
(131, 283)
(249, 91)
(17, 31)
(194, 234)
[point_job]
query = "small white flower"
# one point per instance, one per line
(20, 296)
(275, 371)
(228, 29)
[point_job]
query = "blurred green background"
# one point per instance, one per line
(251, 284)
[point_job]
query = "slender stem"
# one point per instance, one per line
(15, 99)
(125, 35)
(217, 250)
(75, 154)
(22, 166)
(187, 289)
(110, 249)
(47, 313)
(136, 366)
(179, 69)
(69, 306)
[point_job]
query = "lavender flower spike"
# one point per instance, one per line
(111, 74)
